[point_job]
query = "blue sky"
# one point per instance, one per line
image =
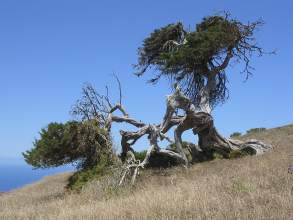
(48, 49)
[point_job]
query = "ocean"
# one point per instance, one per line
(13, 176)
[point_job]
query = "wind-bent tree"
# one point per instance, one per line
(196, 62)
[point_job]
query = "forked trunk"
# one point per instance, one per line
(197, 118)
(209, 140)
(201, 122)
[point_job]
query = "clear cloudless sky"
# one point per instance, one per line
(48, 49)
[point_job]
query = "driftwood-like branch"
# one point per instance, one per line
(201, 122)
(129, 138)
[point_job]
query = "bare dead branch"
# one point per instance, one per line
(120, 89)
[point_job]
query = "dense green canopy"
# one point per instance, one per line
(82, 143)
(190, 57)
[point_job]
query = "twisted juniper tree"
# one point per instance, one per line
(196, 61)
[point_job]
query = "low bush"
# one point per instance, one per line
(140, 155)
(80, 178)
(235, 134)
(83, 144)
(255, 130)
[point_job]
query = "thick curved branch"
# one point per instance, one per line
(154, 134)
(127, 136)
(223, 66)
(169, 122)
(128, 120)
(205, 94)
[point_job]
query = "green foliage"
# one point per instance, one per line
(81, 143)
(212, 36)
(235, 134)
(82, 177)
(255, 130)
(140, 155)
(55, 147)
(188, 57)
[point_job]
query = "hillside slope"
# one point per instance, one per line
(253, 187)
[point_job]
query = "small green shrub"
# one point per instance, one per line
(255, 130)
(83, 176)
(235, 134)
(140, 155)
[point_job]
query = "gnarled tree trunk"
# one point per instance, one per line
(196, 117)
(199, 119)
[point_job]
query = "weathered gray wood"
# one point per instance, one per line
(201, 122)
(198, 118)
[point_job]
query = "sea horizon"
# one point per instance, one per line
(15, 174)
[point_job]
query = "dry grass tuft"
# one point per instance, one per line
(253, 187)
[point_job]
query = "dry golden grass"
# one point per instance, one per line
(256, 187)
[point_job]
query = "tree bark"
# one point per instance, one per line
(197, 118)
(202, 124)
(210, 139)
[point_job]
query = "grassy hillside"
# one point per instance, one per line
(253, 187)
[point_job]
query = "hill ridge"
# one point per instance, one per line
(253, 187)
